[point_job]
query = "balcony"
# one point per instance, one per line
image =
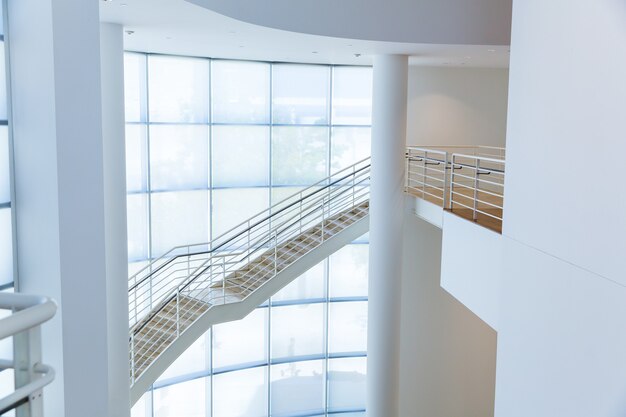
(466, 181)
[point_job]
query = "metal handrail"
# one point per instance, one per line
(192, 282)
(315, 191)
(29, 313)
(468, 180)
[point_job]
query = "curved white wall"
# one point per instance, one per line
(475, 22)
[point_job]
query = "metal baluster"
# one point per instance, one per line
(475, 203)
(452, 182)
(424, 169)
(445, 181)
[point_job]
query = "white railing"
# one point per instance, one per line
(468, 180)
(29, 312)
(477, 188)
(199, 272)
(427, 174)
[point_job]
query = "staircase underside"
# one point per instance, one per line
(161, 338)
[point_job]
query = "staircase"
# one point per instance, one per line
(179, 296)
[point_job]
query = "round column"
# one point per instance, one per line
(389, 115)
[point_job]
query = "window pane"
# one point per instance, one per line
(179, 157)
(240, 92)
(5, 184)
(186, 399)
(297, 388)
(135, 87)
(348, 146)
(240, 156)
(300, 94)
(179, 89)
(194, 359)
(352, 96)
(349, 271)
(3, 84)
(346, 384)
(300, 155)
(297, 330)
(347, 327)
(233, 206)
(142, 407)
(136, 158)
(241, 393)
(6, 247)
(241, 342)
(137, 224)
(309, 285)
(178, 219)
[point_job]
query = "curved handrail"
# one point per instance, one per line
(30, 311)
(315, 186)
(243, 232)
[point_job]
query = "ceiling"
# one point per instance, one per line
(181, 28)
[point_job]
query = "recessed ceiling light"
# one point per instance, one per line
(123, 4)
(168, 37)
(357, 55)
(314, 52)
(241, 46)
(130, 32)
(491, 50)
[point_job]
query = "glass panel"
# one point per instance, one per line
(300, 155)
(7, 385)
(179, 218)
(142, 407)
(241, 342)
(241, 393)
(297, 330)
(194, 359)
(348, 146)
(297, 388)
(134, 267)
(349, 271)
(136, 158)
(240, 156)
(346, 384)
(186, 399)
(179, 89)
(179, 157)
(352, 96)
(5, 183)
(233, 206)
(6, 247)
(240, 92)
(300, 94)
(135, 87)
(347, 327)
(137, 223)
(309, 285)
(3, 84)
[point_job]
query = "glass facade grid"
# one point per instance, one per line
(210, 143)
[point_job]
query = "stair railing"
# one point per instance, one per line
(199, 272)
(28, 313)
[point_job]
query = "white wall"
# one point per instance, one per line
(561, 344)
(448, 355)
(471, 266)
(457, 106)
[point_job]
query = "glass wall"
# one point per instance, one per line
(209, 144)
(6, 231)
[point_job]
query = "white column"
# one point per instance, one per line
(113, 123)
(386, 217)
(60, 214)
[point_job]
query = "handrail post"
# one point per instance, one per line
(451, 199)
(407, 167)
(445, 181)
(178, 311)
(475, 202)
(424, 178)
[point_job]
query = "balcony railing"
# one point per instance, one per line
(468, 181)
(28, 313)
